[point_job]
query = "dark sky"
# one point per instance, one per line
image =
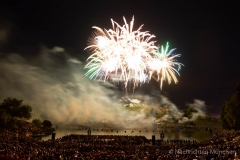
(205, 33)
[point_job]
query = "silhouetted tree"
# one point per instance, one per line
(47, 123)
(15, 108)
(230, 111)
(224, 116)
(4, 118)
(37, 122)
(12, 123)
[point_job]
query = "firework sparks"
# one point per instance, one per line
(129, 55)
(164, 64)
(120, 50)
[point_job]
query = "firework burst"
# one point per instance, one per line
(121, 51)
(130, 55)
(164, 64)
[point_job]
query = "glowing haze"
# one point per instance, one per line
(54, 84)
(129, 54)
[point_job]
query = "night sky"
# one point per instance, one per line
(205, 33)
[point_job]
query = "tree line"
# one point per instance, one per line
(230, 111)
(12, 109)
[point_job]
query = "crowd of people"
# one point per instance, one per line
(116, 147)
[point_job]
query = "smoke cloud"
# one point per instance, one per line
(200, 108)
(54, 84)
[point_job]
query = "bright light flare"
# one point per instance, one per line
(120, 50)
(125, 54)
(164, 65)
(102, 42)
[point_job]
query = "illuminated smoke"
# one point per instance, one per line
(54, 84)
